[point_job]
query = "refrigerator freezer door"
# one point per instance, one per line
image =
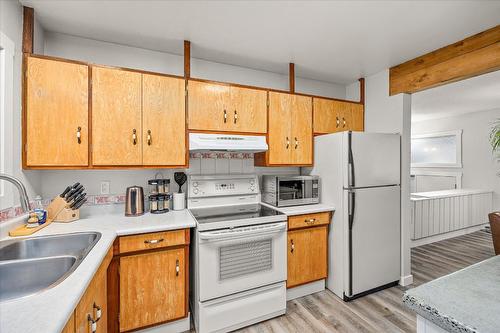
(375, 252)
(375, 159)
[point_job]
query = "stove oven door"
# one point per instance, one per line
(239, 259)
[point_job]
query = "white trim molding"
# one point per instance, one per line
(457, 174)
(458, 153)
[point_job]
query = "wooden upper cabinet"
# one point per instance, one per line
(332, 116)
(57, 113)
(358, 117)
(290, 131)
(302, 131)
(280, 127)
(326, 116)
(116, 117)
(224, 108)
(152, 288)
(164, 121)
(208, 106)
(248, 110)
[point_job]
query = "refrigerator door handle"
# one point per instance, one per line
(351, 210)
(350, 165)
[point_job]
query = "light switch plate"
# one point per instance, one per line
(105, 187)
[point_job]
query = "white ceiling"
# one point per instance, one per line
(335, 41)
(479, 93)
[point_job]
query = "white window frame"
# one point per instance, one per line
(7, 53)
(458, 153)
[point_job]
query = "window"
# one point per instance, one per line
(6, 114)
(442, 149)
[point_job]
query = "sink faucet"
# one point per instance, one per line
(23, 196)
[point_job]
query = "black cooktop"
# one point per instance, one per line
(231, 213)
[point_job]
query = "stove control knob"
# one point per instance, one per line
(252, 188)
(252, 182)
(195, 184)
(195, 191)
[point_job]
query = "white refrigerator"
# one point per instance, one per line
(360, 176)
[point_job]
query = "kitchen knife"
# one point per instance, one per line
(74, 195)
(80, 203)
(65, 191)
(77, 199)
(73, 191)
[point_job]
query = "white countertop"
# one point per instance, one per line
(304, 209)
(446, 193)
(49, 310)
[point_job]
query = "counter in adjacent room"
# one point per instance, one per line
(465, 301)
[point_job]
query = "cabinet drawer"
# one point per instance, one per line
(155, 240)
(308, 220)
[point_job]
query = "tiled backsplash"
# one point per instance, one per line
(199, 163)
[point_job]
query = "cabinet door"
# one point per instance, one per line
(70, 325)
(307, 255)
(279, 135)
(116, 117)
(358, 117)
(248, 112)
(345, 115)
(302, 136)
(208, 106)
(152, 288)
(326, 116)
(164, 121)
(56, 113)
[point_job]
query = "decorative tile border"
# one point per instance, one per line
(232, 155)
(92, 200)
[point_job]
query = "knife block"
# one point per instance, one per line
(67, 215)
(55, 207)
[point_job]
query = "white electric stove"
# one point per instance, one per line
(238, 256)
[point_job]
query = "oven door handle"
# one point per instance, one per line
(257, 230)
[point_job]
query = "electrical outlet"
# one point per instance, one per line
(105, 187)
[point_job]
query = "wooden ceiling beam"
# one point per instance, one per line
(291, 77)
(472, 56)
(187, 59)
(28, 29)
(362, 90)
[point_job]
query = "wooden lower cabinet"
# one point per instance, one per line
(90, 315)
(148, 285)
(307, 250)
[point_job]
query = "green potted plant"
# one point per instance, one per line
(495, 141)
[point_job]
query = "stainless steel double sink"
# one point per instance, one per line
(31, 265)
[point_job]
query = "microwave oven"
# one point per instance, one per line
(283, 191)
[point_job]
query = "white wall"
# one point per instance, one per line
(71, 47)
(480, 167)
(11, 26)
(391, 114)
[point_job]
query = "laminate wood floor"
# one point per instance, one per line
(382, 311)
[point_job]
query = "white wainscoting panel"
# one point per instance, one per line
(450, 212)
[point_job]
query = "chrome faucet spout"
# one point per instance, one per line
(23, 195)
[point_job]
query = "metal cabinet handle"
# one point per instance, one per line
(310, 220)
(134, 136)
(292, 247)
(92, 324)
(337, 122)
(287, 143)
(225, 116)
(177, 268)
(98, 312)
(149, 137)
(153, 241)
(343, 120)
(79, 135)
(296, 143)
(235, 116)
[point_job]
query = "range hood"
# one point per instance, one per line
(227, 142)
